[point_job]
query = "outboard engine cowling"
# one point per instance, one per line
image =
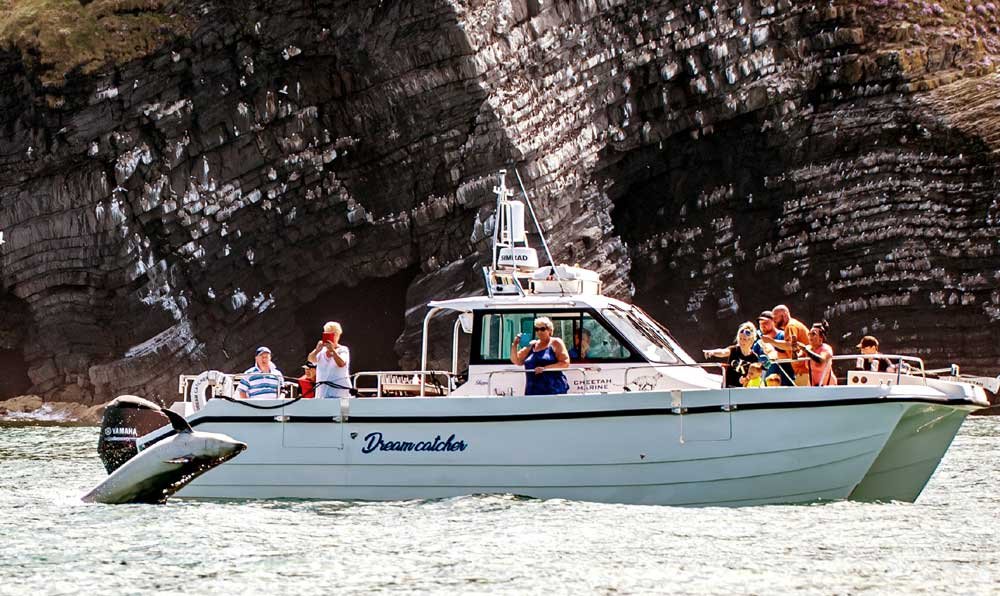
(126, 419)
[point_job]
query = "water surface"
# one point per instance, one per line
(51, 543)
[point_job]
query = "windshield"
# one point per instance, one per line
(663, 334)
(645, 335)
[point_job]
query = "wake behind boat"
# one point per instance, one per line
(640, 422)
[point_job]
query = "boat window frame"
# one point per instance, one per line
(475, 355)
(675, 346)
(660, 336)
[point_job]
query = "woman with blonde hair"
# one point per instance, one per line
(543, 360)
(747, 350)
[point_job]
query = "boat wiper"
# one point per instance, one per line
(671, 342)
(648, 332)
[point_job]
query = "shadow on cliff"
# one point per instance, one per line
(691, 211)
(372, 313)
(874, 232)
(13, 368)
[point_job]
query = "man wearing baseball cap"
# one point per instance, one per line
(765, 321)
(263, 380)
(796, 335)
(307, 382)
(869, 347)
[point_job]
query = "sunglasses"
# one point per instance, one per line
(746, 332)
(541, 328)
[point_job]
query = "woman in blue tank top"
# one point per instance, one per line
(543, 360)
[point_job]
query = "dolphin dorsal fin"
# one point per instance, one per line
(177, 421)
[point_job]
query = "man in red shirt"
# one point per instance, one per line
(307, 382)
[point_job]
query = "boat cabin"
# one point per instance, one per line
(613, 346)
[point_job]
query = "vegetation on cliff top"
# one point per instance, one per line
(63, 35)
(60, 36)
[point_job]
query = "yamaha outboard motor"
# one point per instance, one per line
(126, 419)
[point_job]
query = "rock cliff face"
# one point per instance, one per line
(224, 175)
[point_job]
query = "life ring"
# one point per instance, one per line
(212, 380)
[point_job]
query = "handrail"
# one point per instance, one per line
(916, 368)
(597, 369)
(900, 362)
(289, 384)
(701, 365)
(521, 371)
(896, 357)
(407, 374)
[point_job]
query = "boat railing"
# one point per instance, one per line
(650, 382)
(404, 383)
(624, 379)
(187, 390)
(436, 383)
(903, 365)
(196, 390)
(573, 370)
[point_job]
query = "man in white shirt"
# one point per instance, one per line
(333, 361)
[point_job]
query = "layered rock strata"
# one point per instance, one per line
(268, 166)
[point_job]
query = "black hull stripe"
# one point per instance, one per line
(573, 415)
(560, 415)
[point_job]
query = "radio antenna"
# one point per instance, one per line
(538, 226)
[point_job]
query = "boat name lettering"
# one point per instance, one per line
(589, 385)
(375, 442)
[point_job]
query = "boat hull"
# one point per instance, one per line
(911, 455)
(698, 448)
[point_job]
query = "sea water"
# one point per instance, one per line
(51, 543)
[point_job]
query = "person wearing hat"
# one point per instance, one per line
(796, 335)
(868, 346)
(307, 382)
(765, 320)
(263, 380)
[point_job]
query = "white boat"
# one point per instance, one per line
(643, 422)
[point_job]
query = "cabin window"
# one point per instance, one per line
(587, 338)
(643, 334)
(592, 341)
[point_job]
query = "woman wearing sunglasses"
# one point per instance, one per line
(543, 360)
(747, 350)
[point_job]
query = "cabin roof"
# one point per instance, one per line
(473, 303)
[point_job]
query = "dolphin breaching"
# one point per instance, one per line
(161, 469)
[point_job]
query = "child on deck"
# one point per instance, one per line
(755, 376)
(773, 380)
